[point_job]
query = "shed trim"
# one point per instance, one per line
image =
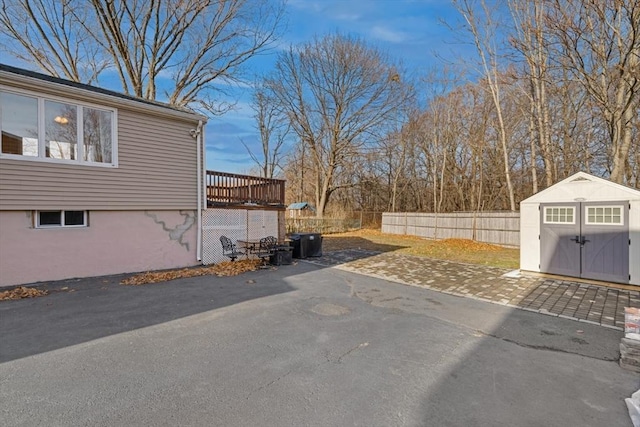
(581, 176)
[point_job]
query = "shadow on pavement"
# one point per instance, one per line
(504, 366)
(340, 250)
(80, 310)
(344, 349)
(338, 243)
(532, 379)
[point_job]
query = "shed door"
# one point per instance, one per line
(605, 229)
(559, 229)
(588, 240)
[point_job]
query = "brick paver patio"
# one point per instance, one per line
(583, 302)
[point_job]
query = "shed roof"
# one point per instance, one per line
(582, 186)
(300, 205)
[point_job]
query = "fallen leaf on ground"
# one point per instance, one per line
(229, 268)
(21, 292)
(456, 250)
(469, 245)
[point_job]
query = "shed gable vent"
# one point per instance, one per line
(580, 178)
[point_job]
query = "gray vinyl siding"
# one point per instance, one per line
(156, 170)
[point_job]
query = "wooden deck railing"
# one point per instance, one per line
(229, 188)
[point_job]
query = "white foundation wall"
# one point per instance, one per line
(114, 242)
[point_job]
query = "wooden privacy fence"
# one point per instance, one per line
(500, 228)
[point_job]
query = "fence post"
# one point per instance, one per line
(405, 223)
(435, 227)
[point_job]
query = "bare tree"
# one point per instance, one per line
(273, 128)
(190, 43)
(49, 34)
(485, 43)
(528, 18)
(339, 95)
(393, 154)
(600, 39)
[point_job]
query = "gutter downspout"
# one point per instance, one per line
(199, 160)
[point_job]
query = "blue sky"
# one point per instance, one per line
(409, 31)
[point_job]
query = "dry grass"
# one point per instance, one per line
(459, 250)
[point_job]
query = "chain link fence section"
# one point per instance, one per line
(349, 222)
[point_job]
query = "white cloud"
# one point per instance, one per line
(347, 16)
(388, 35)
(306, 5)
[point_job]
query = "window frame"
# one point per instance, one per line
(80, 105)
(612, 224)
(573, 210)
(85, 219)
(36, 218)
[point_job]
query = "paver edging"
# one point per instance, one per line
(346, 267)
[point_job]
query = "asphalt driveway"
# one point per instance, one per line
(300, 345)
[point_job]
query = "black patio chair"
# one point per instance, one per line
(266, 248)
(229, 248)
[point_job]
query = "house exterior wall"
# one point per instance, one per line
(156, 169)
(141, 208)
(114, 242)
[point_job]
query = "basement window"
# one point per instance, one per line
(56, 219)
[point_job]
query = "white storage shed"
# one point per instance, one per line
(583, 226)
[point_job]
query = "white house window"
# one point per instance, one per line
(97, 135)
(43, 128)
(559, 215)
(46, 219)
(61, 130)
(612, 215)
(19, 115)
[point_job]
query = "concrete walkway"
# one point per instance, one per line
(574, 300)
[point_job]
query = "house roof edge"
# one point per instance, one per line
(19, 74)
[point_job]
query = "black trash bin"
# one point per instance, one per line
(306, 245)
(299, 245)
(314, 245)
(282, 255)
